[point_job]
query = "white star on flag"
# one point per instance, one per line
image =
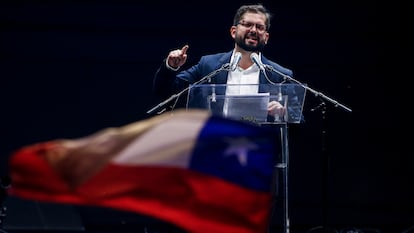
(240, 147)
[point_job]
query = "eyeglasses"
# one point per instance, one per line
(249, 25)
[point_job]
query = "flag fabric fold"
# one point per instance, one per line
(203, 173)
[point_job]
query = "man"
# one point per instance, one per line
(250, 33)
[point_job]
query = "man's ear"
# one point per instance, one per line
(233, 31)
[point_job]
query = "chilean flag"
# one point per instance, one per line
(203, 173)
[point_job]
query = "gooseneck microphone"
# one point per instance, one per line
(255, 58)
(236, 60)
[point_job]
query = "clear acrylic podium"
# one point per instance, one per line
(248, 102)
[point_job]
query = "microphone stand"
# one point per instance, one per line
(285, 160)
(177, 95)
(316, 93)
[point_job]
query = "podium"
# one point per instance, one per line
(248, 102)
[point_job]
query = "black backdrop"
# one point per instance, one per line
(69, 69)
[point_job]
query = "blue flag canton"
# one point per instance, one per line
(238, 152)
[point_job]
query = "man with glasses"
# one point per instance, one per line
(250, 31)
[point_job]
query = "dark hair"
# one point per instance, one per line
(257, 8)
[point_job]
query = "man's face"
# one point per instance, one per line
(250, 33)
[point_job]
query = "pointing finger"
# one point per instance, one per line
(184, 49)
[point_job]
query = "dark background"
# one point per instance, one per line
(69, 69)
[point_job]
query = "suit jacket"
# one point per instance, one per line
(168, 82)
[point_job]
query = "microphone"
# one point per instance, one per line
(236, 60)
(255, 59)
(262, 67)
(213, 94)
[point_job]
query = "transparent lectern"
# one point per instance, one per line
(248, 102)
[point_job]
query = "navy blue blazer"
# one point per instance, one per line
(168, 82)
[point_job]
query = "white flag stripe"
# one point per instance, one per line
(168, 143)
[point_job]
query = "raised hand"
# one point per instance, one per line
(178, 57)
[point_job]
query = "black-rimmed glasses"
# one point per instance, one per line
(249, 25)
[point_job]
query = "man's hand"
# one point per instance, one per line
(178, 57)
(274, 108)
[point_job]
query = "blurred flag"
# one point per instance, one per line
(203, 173)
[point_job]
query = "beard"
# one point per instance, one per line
(240, 41)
